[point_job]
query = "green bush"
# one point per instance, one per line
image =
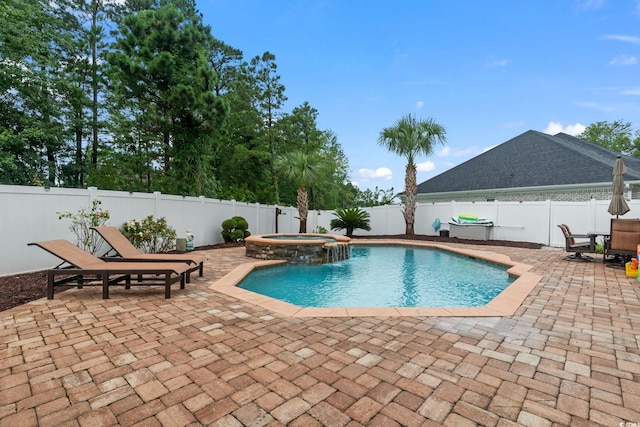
(228, 224)
(241, 223)
(236, 235)
(150, 235)
(235, 229)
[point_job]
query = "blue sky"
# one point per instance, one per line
(485, 70)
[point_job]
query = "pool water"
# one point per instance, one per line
(385, 276)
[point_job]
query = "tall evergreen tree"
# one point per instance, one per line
(33, 50)
(87, 23)
(164, 88)
(268, 99)
(251, 138)
(225, 62)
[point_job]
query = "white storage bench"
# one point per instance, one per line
(470, 231)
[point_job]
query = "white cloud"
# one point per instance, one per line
(635, 91)
(444, 152)
(556, 127)
(497, 63)
(624, 60)
(621, 38)
(377, 173)
(419, 104)
(489, 148)
(427, 166)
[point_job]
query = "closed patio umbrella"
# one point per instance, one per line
(618, 205)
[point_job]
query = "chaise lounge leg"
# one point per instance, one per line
(201, 270)
(50, 285)
(105, 286)
(167, 285)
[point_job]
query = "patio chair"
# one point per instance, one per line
(624, 239)
(85, 269)
(578, 248)
(125, 251)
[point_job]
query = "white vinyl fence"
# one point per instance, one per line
(29, 214)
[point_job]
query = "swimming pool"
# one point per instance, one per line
(385, 276)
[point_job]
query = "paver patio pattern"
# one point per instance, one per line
(568, 357)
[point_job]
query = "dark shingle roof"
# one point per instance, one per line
(533, 159)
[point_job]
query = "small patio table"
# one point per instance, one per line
(606, 237)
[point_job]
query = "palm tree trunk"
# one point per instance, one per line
(410, 189)
(303, 208)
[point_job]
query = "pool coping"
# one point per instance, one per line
(505, 304)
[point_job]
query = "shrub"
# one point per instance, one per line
(236, 235)
(241, 223)
(81, 223)
(150, 235)
(349, 219)
(321, 230)
(235, 229)
(228, 224)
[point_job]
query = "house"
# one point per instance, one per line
(534, 166)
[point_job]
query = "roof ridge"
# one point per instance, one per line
(589, 150)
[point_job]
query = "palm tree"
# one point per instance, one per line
(302, 169)
(349, 219)
(410, 137)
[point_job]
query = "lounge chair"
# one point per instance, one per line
(125, 251)
(87, 270)
(578, 248)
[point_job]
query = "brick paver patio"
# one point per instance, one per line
(569, 356)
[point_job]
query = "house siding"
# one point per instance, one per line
(566, 196)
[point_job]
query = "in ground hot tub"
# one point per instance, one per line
(309, 248)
